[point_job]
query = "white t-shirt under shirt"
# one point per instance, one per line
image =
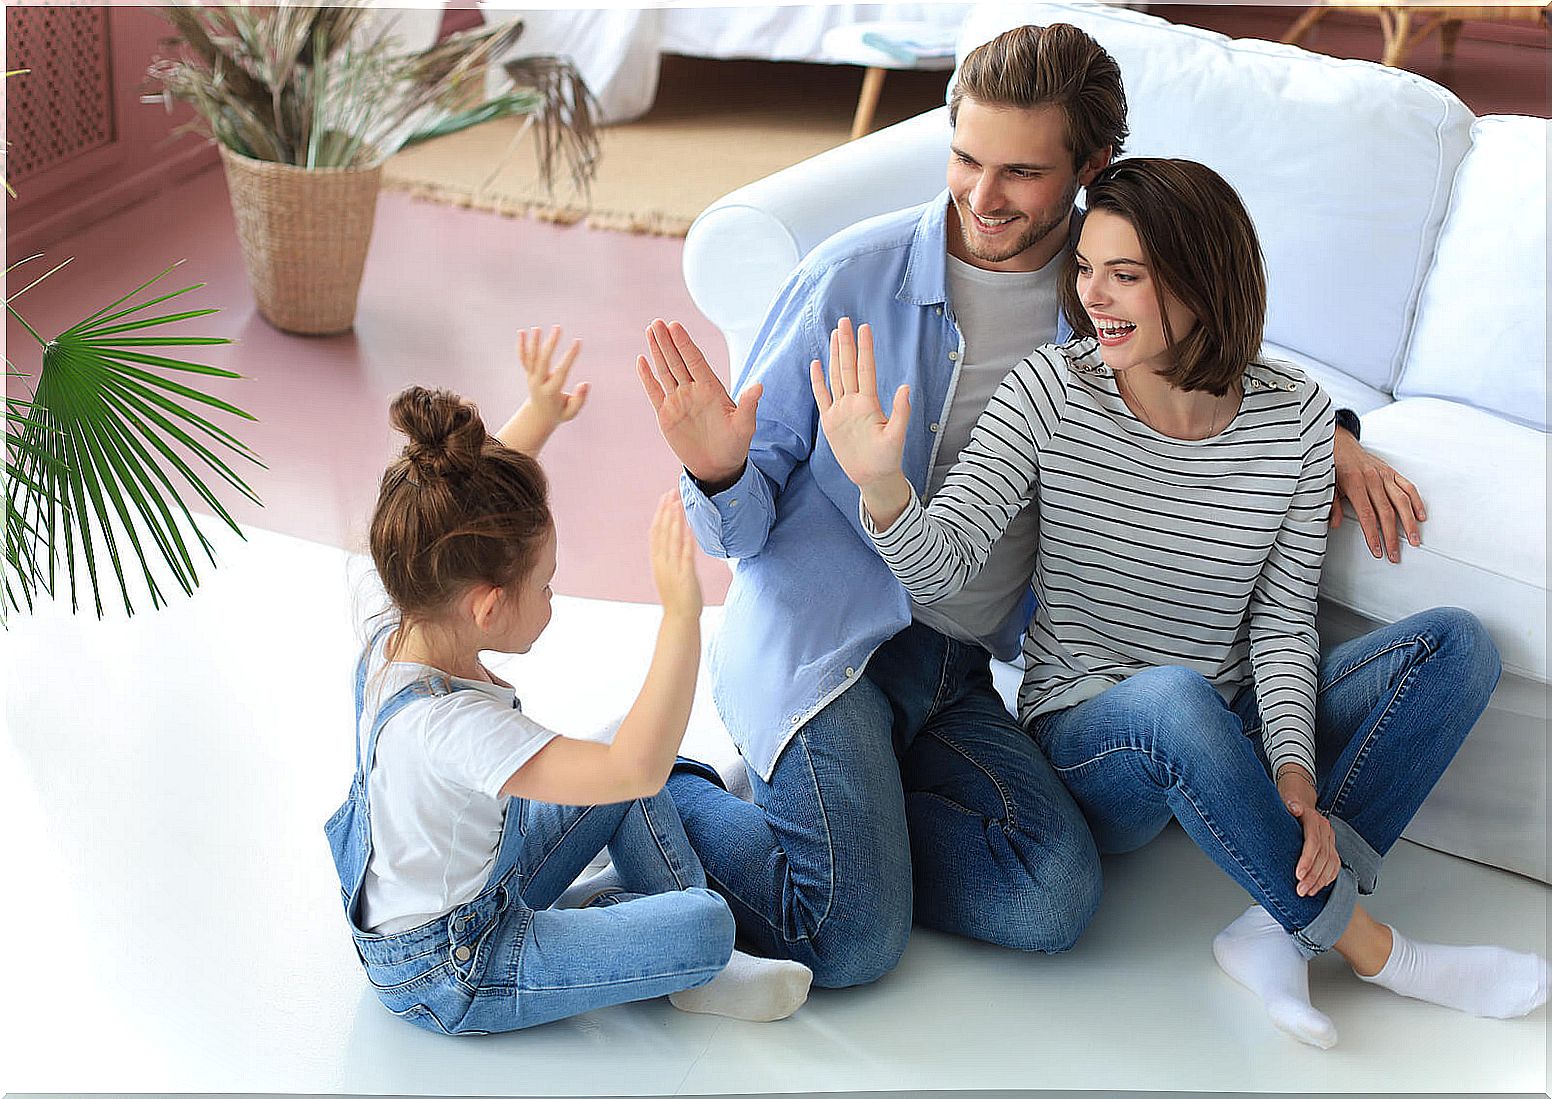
(1001, 315)
(435, 790)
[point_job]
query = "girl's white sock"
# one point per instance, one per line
(1481, 980)
(1259, 954)
(756, 989)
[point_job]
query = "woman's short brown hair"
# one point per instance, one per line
(1056, 65)
(1201, 249)
(455, 508)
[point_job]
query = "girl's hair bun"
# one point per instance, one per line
(445, 431)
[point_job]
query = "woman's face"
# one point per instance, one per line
(1119, 294)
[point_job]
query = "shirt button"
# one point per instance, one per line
(850, 672)
(732, 503)
(934, 427)
(939, 310)
(462, 953)
(953, 356)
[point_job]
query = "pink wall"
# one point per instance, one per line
(142, 159)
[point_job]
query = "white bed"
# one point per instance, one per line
(618, 50)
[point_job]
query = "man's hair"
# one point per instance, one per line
(1201, 249)
(1057, 65)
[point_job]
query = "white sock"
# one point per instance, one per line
(584, 891)
(1259, 954)
(1481, 980)
(757, 989)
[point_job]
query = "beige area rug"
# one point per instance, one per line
(714, 126)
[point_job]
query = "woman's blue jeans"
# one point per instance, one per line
(1393, 707)
(913, 792)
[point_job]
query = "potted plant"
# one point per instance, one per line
(306, 102)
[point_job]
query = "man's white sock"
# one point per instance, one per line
(1259, 954)
(1481, 980)
(757, 989)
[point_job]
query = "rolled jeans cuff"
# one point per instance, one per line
(1356, 855)
(1321, 933)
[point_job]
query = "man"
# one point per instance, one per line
(888, 777)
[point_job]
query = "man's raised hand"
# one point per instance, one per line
(699, 421)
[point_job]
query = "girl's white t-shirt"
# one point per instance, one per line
(435, 791)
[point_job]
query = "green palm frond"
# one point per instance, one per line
(100, 453)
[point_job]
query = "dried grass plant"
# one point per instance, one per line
(331, 87)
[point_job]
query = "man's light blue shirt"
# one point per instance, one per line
(811, 600)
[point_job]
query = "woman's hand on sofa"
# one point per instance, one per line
(1379, 496)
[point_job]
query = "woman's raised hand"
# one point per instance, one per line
(867, 445)
(699, 421)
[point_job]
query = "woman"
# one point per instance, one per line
(1172, 667)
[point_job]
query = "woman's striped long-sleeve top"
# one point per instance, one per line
(1153, 550)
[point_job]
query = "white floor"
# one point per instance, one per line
(174, 923)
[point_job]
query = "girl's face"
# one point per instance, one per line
(1120, 296)
(526, 604)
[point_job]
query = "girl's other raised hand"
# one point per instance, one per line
(547, 384)
(548, 404)
(673, 552)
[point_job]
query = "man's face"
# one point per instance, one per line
(1011, 177)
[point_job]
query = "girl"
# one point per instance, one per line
(466, 819)
(1172, 667)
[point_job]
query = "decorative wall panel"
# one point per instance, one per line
(63, 107)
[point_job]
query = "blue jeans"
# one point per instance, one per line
(913, 790)
(507, 960)
(1392, 708)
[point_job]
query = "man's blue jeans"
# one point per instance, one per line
(1392, 708)
(916, 776)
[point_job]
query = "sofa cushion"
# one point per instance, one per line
(1484, 548)
(1345, 166)
(1344, 391)
(1481, 333)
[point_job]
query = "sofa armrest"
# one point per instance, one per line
(743, 246)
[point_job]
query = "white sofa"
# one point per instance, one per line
(1406, 246)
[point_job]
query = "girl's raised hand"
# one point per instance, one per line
(673, 553)
(547, 385)
(866, 444)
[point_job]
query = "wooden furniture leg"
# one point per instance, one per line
(1449, 33)
(1301, 25)
(867, 102)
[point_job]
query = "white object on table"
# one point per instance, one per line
(879, 46)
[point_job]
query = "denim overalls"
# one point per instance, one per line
(505, 959)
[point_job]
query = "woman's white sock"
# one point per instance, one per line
(1259, 954)
(757, 989)
(1480, 980)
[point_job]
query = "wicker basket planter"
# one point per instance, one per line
(304, 234)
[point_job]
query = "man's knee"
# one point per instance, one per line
(1058, 895)
(857, 947)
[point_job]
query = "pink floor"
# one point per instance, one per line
(444, 293)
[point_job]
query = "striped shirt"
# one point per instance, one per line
(1152, 550)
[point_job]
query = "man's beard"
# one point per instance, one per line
(1021, 243)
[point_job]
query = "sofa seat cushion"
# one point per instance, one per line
(1481, 333)
(1484, 548)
